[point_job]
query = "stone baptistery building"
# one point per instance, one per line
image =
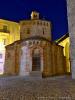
(34, 52)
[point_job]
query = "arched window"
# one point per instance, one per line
(28, 31)
(5, 28)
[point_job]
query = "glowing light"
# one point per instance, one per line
(2, 57)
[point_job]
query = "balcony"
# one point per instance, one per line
(4, 31)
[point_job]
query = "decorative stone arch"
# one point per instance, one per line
(37, 54)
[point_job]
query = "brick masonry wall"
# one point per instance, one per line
(9, 67)
(35, 28)
(54, 62)
(19, 58)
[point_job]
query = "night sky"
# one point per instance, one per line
(52, 10)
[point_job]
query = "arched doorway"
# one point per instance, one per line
(36, 60)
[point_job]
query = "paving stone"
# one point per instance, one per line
(25, 88)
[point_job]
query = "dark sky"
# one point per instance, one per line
(52, 10)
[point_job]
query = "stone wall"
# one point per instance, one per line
(30, 28)
(18, 60)
(9, 67)
(12, 60)
(71, 23)
(54, 61)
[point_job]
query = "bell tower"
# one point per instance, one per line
(35, 27)
(34, 15)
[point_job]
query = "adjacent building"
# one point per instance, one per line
(9, 32)
(64, 41)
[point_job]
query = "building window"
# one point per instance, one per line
(23, 23)
(43, 31)
(47, 24)
(28, 31)
(33, 42)
(35, 16)
(37, 23)
(37, 42)
(5, 28)
(4, 41)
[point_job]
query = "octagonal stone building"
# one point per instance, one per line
(35, 53)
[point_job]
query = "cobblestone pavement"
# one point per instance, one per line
(24, 88)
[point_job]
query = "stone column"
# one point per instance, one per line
(71, 24)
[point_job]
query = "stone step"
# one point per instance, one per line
(37, 74)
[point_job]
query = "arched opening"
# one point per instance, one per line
(36, 60)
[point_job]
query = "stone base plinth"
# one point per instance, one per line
(36, 74)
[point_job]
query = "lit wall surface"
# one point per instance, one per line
(9, 32)
(12, 29)
(66, 44)
(63, 43)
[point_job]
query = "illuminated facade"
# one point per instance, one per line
(9, 32)
(64, 41)
(34, 52)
